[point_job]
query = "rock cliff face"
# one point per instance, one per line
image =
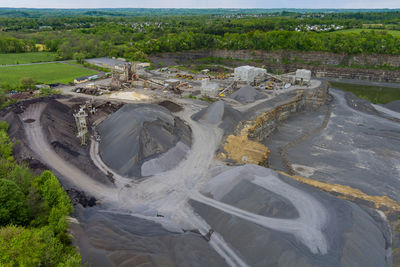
(266, 123)
(321, 58)
(323, 64)
(245, 147)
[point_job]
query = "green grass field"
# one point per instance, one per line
(394, 33)
(22, 58)
(43, 73)
(374, 94)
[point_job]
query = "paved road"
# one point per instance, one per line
(36, 63)
(68, 62)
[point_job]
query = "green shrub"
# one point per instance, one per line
(34, 247)
(56, 199)
(6, 146)
(27, 83)
(39, 203)
(13, 209)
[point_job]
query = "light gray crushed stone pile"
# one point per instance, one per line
(137, 133)
(246, 94)
(220, 111)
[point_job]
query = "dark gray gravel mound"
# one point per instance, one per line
(246, 94)
(136, 133)
(395, 105)
(107, 239)
(245, 194)
(354, 238)
(171, 106)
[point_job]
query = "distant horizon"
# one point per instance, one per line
(209, 8)
(204, 4)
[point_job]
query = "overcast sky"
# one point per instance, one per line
(202, 3)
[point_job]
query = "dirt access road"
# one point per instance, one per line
(39, 144)
(168, 193)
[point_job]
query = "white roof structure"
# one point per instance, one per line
(209, 89)
(248, 74)
(303, 75)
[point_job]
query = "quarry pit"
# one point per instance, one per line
(228, 172)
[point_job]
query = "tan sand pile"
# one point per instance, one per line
(129, 96)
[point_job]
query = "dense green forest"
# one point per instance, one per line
(33, 212)
(136, 33)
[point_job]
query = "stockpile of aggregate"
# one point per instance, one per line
(246, 94)
(109, 239)
(220, 113)
(394, 105)
(352, 237)
(137, 133)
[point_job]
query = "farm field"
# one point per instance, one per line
(374, 94)
(394, 33)
(43, 73)
(28, 57)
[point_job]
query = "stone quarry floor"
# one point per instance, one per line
(199, 214)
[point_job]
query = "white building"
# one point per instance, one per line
(249, 74)
(303, 75)
(209, 89)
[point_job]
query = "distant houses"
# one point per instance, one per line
(319, 28)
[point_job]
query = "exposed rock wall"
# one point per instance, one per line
(359, 74)
(245, 146)
(266, 123)
(322, 58)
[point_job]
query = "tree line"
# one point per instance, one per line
(33, 212)
(138, 47)
(136, 37)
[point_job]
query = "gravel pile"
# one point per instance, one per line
(246, 94)
(138, 133)
(220, 113)
(352, 237)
